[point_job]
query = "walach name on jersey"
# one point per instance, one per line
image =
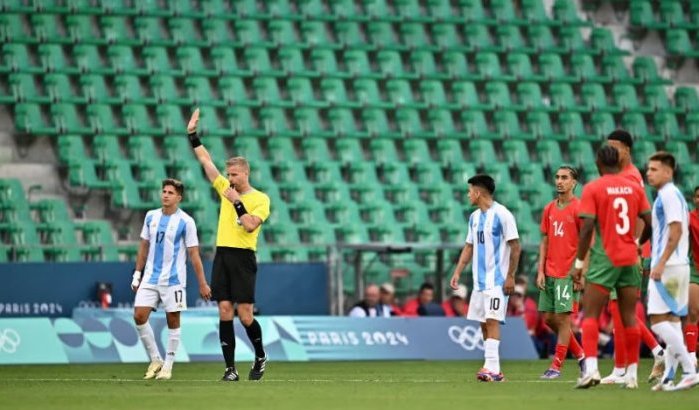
(619, 190)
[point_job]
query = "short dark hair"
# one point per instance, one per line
(608, 156)
(484, 181)
(665, 158)
(622, 136)
(696, 188)
(426, 285)
(573, 171)
(175, 183)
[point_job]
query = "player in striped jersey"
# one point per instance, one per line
(493, 245)
(668, 289)
(167, 237)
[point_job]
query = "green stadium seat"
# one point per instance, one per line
(583, 67)
(601, 124)
(625, 98)
(489, 67)
(416, 151)
(25, 89)
(531, 174)
(510, 39)
(284, 34)
(645, 69)
(475, 125)
(656, 99)
(541, 39)
(570, 39)
(116, 30)
(562, 98)
(534, 13)
(498, 95)
(686, 99)
(672, 15)
(551, 68)
(449, 152)
(594, 98)
(507, 126)
(12, 29)
(334, 93)
(614, 67)
(666, 127)
(446, 36)
(549, 153)
(315, 150)
(572, 127)
(409, 123)
(581, 154)
(139, 120)
(464, 94)
(94, 89)
(192, 62)
(376, 123)
(390, 64)
(106, 147)
(501, 174)
(309, 123)
(103, 119)
(520, 66)
(530, 98)
(16, 57)
(441, 124)
(540, 127)
(680, 151)
(516, 152)
(357, 64)
(635, 123)
(565, 12)
(428, 174)
(481, 151)
(642, 150)
(457, 67)
(414, 36)
(602, 39)
(29, 119)
(504, 11)
(400, 94)
(641, 14)
(367, 93)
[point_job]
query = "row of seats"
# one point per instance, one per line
(351, 93)
(76, 29)
(676, 22)
(492, 12)
(45, 230)
(482, 65)
(506, 122)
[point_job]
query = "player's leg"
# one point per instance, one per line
(617, 375)
(594, 298)
(146, 300)
(174, 301)
(221, 292)
(663, 309)
(495, 308)
(254, 332)
(546, 306)
(627, 299)
(690, 327)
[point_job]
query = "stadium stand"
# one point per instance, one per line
(362, 119)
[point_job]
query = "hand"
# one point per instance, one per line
(579, 286)
(136, 280)
(509, 287)
(454, 282)
(656, 272)
(205, 291)
(576, 274)
(231, 194)
(541, 281)
(193, 121)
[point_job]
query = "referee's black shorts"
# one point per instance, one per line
(233, 275)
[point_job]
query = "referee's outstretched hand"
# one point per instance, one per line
(193, 121)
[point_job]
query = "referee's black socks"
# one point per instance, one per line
(227, 337)
(254, 332)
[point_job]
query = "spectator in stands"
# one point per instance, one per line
(387, 300)
(456, 305)
(424, 304)
(369, 306)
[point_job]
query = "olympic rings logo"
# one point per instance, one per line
(9, 340)
(468, 337)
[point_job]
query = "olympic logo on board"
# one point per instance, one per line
(468, 337)
(9, 340)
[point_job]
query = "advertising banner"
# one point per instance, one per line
(95, 337)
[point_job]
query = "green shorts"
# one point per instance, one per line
(613, 277)
(694, 275)
(558, 296)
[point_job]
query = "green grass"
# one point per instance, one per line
(334, 385)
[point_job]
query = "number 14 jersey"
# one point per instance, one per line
(615, 203)
(561, 226)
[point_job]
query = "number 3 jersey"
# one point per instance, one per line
(561, 225)
(616, 204)
(489, 233)
(169, 237)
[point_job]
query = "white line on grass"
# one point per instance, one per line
(267, 381)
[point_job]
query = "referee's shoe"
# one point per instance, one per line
(258, 368)
(231, 375)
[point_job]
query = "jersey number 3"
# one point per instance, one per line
(622, 207)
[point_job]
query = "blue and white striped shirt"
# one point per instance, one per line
(489, 233)
(670, 206)
(169, 236)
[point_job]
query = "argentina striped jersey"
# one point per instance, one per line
(670, 206)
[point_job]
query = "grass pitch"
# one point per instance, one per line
(330, 385)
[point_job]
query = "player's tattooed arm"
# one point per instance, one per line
(515, 251)
(464, 259)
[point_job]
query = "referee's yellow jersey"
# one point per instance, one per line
(230, 233)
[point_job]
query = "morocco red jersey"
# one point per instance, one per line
(561, 225)
(633, 174)
(616, 204)
(694, 236)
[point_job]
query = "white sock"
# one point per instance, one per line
(670, 364)
(148, 338)
(632, 371)
(492, 356)
(619, 371)
(591, 365)
(173, 343)
(657, 350)
(674, 339)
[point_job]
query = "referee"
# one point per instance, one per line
(243, 210)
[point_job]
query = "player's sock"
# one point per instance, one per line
(254, 332)
(226, 335)
(690, 339)
(683, 357)
(633, 349)
(672, 335)
(145, 332)
(670, 364)
(574, 347)
(620, 353)
(560, 356)
(648, 338)
(590, 334)
(492, 356)
(173, 342)
(657, 351)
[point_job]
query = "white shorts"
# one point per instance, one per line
(671, 293)
(173, 298)
(487, 304)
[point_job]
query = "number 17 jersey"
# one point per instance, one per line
(616, 204)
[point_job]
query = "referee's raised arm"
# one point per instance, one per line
(201, 153)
